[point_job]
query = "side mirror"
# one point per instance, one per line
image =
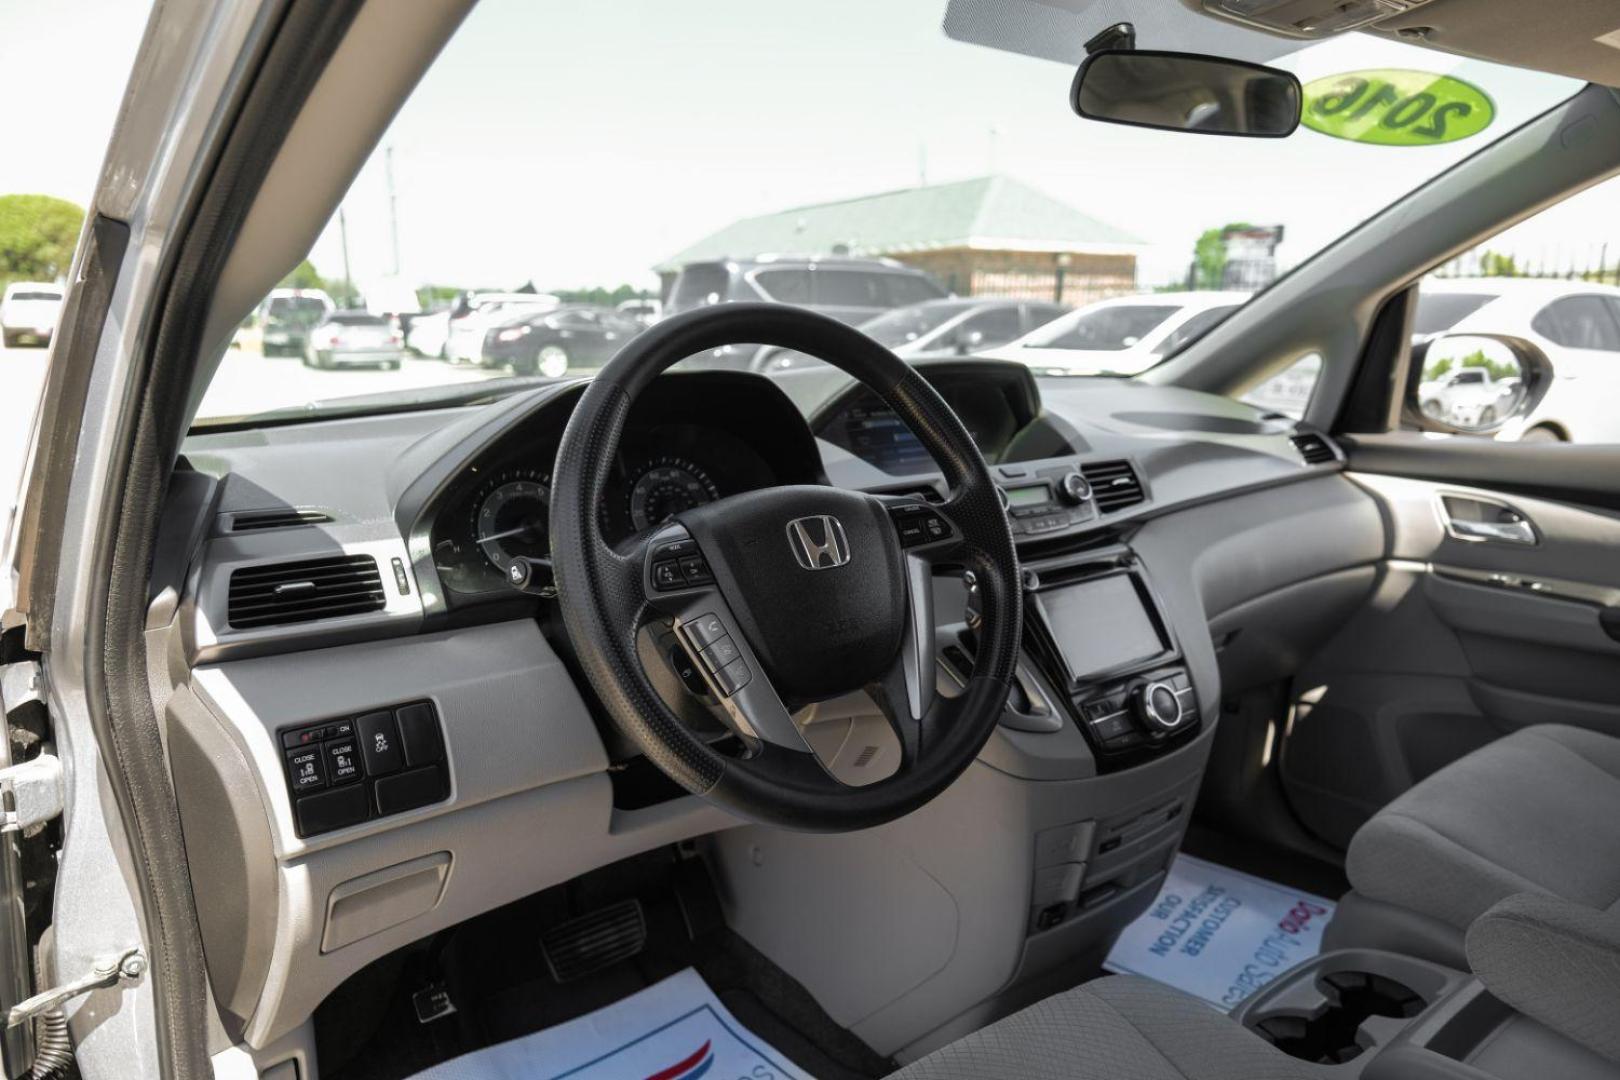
(968, 341)
(1208, 95)
(1477, 383)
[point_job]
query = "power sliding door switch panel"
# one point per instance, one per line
(349, 770)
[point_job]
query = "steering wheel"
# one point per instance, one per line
(788, 595)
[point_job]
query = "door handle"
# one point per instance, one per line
(1509, 532)
(1475, 519)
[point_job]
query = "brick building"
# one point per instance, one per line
(990, 236)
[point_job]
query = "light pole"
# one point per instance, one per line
(1063, 260)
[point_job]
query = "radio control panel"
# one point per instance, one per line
(1045, 496)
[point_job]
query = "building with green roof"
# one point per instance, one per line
(989, 236)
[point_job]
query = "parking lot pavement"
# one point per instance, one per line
(245, 383)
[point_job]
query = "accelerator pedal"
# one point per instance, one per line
(596, 940)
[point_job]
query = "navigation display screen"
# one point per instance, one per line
(1100, 625)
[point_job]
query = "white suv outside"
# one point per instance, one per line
(28, 313)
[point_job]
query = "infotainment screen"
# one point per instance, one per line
(1100, 625)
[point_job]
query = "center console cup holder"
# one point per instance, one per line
(1337, 1008)
(1332, 1035)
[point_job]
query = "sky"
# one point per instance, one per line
(579, 142)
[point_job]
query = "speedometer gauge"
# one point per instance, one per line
(664, 488)
(511, 518)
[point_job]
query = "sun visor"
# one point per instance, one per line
(1059, 29)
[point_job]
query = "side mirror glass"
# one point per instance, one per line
(1477, 383)
(1172, 91)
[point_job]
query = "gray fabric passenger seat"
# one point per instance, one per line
(1535, 812)
(1116, 1028)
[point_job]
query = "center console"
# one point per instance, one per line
(1096, 631)
(1381, 1016)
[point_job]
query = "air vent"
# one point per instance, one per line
(1114, 485)
(1313, 448)
(277, 594)
(258, 520)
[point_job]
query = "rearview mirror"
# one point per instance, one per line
(1476, 383)
(1172, 91)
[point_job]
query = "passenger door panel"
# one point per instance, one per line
(1472, 631)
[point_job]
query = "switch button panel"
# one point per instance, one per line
(352, 769)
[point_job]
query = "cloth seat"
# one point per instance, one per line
(1120, 1027)
(1535, 812)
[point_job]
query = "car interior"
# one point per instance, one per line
(882, 694)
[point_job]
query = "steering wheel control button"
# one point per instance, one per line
(379, 743)
(419, 734)
(695, 571)
(676, 549)
(342, 760)
(336, 809)
(719, 654)
(704, 630)
(410, 790)
(306, 769)
(733, 677)
(666, 575)
(918, 525)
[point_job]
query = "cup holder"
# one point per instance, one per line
(1332, 1034)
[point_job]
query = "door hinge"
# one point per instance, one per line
(30, 793)
(127, 966)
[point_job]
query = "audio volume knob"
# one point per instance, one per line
(1074, 488)
(1159, 706)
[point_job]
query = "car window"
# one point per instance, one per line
(699, 285)
(1111, 328)
(895, 328)
(35, 295)
(1038, 315)
(1469, 375)
(1579, 322)
(910, 289)
(786, 286)
(1439, 312)
(998, 326)
(355, 318)
(1193, 329)
(850, 288)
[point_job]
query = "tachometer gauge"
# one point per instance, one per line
(665, 487)
(511, 518)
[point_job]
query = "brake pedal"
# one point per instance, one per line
(599, 939)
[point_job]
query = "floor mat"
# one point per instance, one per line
(1219, 934)
(676, 1029)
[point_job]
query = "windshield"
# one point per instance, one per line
(683, 155)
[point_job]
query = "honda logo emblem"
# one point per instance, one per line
(818, 542)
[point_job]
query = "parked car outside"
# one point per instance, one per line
(1576, 323)
(464, 341)
(1468, 392)
(1123, 335)
(849, 290)
(940, 328)
(645, 310)
(28, 313)
(288, 315)
(572, 338)
(428, 332)
(353, 339)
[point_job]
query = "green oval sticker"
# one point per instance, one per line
(1395, 107)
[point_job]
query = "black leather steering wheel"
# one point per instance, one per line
(788, 595)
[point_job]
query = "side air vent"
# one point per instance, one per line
(1313, 448)
(277, 594)
(258, 520)
(1114, 485)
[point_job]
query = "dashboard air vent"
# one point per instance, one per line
(1114, 485)
(257, 520)
(276, 594)
(1313, 448)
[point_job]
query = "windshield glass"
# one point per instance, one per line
(854, 173)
